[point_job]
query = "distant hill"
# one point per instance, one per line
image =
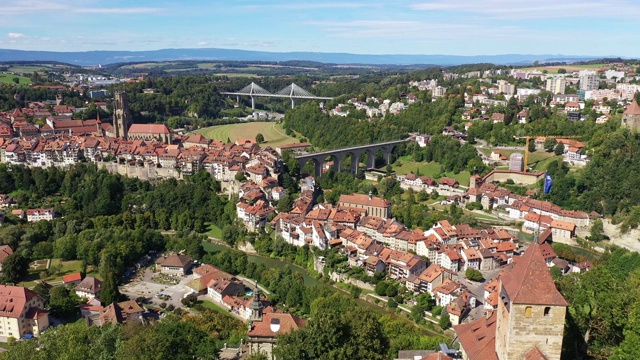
(89, 58)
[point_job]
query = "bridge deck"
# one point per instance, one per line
(279, 96)
(360, 147)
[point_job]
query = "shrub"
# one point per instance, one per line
(473, 275)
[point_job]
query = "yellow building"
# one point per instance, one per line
(21, 313)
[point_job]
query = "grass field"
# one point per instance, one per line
(432, 169)
(213, 231)
(273, 133)
(535, 158)
(568, 67)
(68, 267)
(8, 79)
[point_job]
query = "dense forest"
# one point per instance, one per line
(604, 309)
(199, 336)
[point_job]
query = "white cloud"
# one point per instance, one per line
(133, 10)
(516, 10)
(203, 43)
(13, 35)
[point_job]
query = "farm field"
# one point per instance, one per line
(273, 133)
(432, 169)
(8, 79)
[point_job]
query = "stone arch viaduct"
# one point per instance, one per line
(338, 156)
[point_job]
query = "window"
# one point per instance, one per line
(547, 310)
(527, 311)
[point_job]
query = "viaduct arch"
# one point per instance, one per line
(339, 155)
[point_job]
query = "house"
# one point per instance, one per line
(562, 230)
(497, 118)
(115, 313)
(174, 264)
(218, 289)
(19, 213)
(21, 313)
(34, 215)
(74, 278)
(89, 288)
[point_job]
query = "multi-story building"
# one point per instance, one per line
(556, 85)
(589, 80)
(34, 215)
(21, 313)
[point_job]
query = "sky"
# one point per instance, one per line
(430, 27)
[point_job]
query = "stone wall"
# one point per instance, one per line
(546, 332)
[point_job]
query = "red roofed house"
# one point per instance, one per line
(529, 320)
(265, 327)
(34, 215)
(562, 230)
(74, 278)
(150, 132)
(21, 313)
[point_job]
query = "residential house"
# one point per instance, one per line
(34, 215)
(89, 288)
(174, 264)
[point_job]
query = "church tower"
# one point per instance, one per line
(256, 306)
(531, 311)
(121, 114)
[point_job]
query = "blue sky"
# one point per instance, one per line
(452, 27)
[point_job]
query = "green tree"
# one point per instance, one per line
(14, 268)
(63, 302)
(549, 144)
(240, 176)
(559, 149)
(259, 138)
(109, 293)
(562, 71)
(381, 288)
(445, 321)
(532, 146)
(473, 274)
(16, 80)
(597, 231)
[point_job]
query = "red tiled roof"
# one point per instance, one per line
(286, 321)
(478, 338)
(534, 354)
(148, 129)
(529, 282)
(71, 278)
(633, 109)
(13, 300)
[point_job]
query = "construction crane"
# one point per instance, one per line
(526, 147)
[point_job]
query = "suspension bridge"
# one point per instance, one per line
(292, 92)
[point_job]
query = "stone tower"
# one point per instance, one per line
(631, 117)
(531, 311)
(59, 98)
(256, 306)
(121, 114)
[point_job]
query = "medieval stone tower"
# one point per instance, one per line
(121, 114)
(631, 117)
(531, 311)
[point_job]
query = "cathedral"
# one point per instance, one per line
(529, 321)
(125, 129)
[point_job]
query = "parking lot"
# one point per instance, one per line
(145, 286)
